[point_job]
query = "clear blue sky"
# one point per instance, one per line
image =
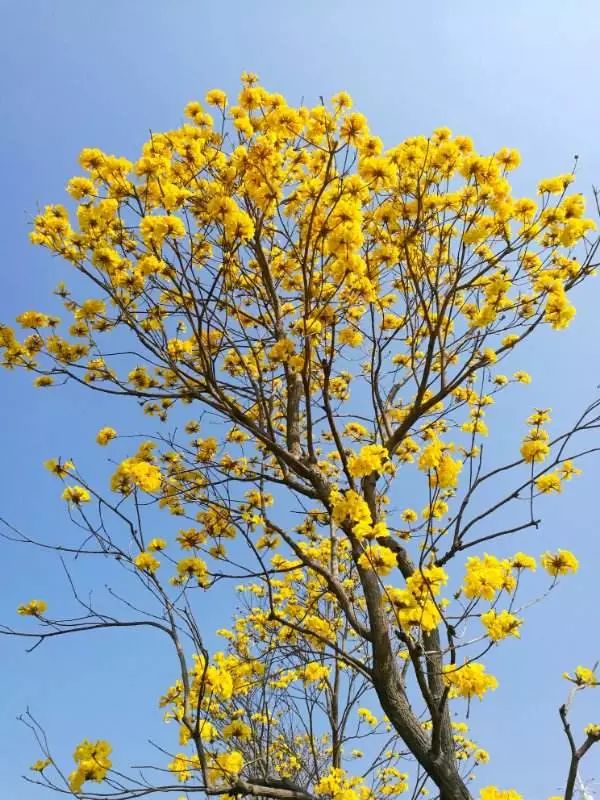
(103, 73)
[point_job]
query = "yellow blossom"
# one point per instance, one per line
(583, 676)
(146, 562)
(34, 608)
(549, 482)
(560, 563)
(40, 765)
(76, 495)
(500, 625)
(371, 458)
(104, 435)
(378, 558)
(469, 680)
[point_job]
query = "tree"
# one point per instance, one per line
(322, 322)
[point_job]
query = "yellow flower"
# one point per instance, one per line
(409, 515)
(40, 766)
(59, 469)
(237, 730)
(79, 188)
(539, 417)
(555, 185)
(367, 716)
(568, 470)
(522, 377)
(192, 567)
(228, 765)
(33, 319)
(560, 563)
(493, 793)
(76, 495)
(583, 676)
(523, 561)
(93, 763)
(469, 680)
(380, 559)
(371, 458)
(314, 672)
(351, 507)
(146, 562)
(43, 380)
(550, 482)
(156, 544)
(437, 509)
(136, 472)
(499, 626)
(34, 608)
(535, 446)
(353, 128)
(355, 430)
(216, 97)
(351, 337)
(104, 435)
(486, 576)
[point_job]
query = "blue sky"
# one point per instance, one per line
(74, 74)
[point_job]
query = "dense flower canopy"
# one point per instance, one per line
(342, 310)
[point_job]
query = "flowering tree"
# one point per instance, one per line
(322, 322)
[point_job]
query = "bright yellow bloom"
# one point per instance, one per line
(522, 377)
(155, 229)
(367, 716)
(104, 435)
(493, 793)
(500, 625)
(469, 680)
(34, 608)
(93, 763)
(568, 470)
(560, 563)
(437, 509)
(76, 495)
(535, 446)
(313, 672)
(409, 515)
(371, 458)
(43, 380)
(555, 185)
(523, 561)
(355, 430)
(540, 417)
(351, 337)
(146, 562)
(33, 319)
(59, 469)
(549, 482)
(380, 559)
(350, 507)
(156, 545)
(136, 472)
(216, 97)
(229, 765)
(237, 730)
(193, 567)
(486, 576)
(583, 676)
(40, 766)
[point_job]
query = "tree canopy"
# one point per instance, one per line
(319, 324)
